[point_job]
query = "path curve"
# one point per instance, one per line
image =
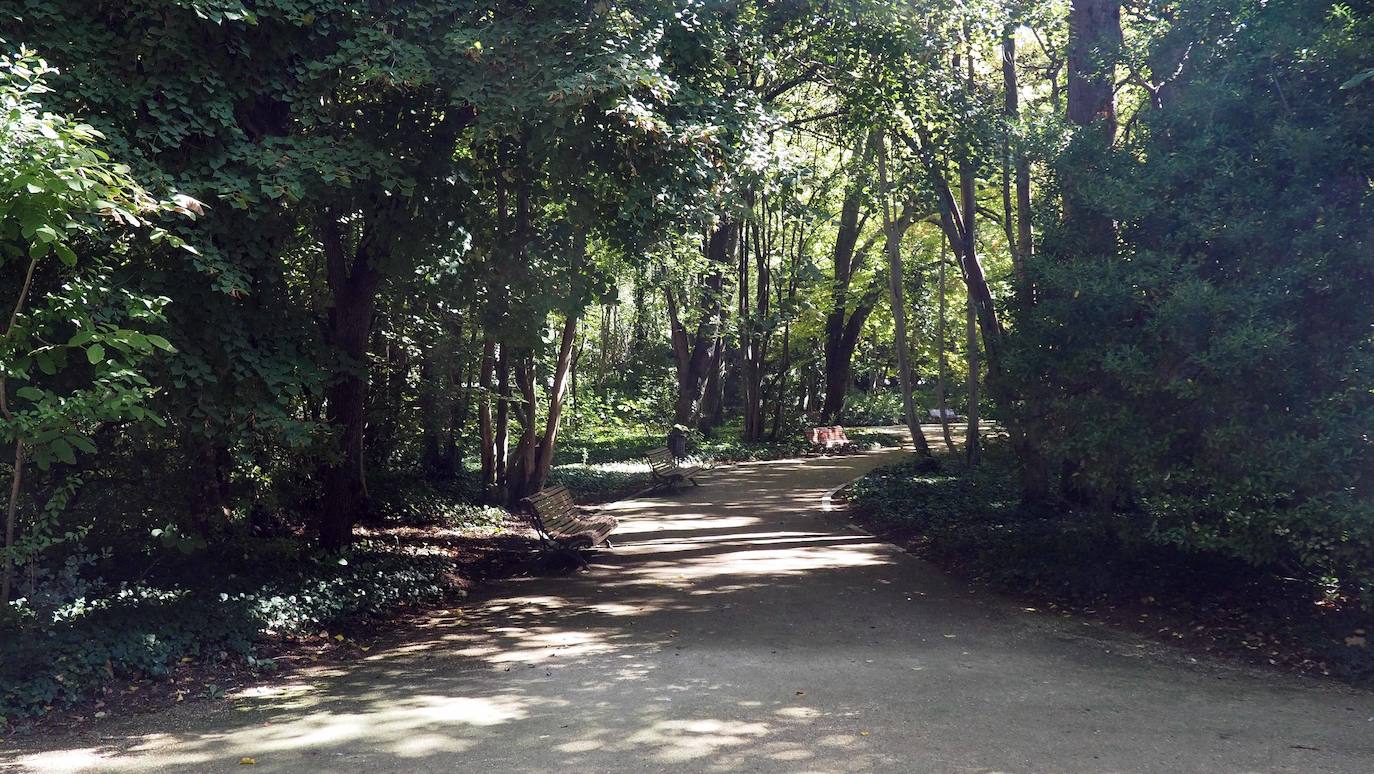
(738, 627)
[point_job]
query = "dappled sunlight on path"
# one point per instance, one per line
(733, 627)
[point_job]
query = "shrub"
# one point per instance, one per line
(58, 654)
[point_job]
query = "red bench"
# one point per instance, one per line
(832, 438)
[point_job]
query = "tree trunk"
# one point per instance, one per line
(212, 509)
(463, 380)
(892, 244)
(711, 408)
(501, 444)
(960, 230)
(940, 385)
(846, 260)
(485, 427)
(754, 307)
(437, 387)
(972, 442)
(526, 449)
(1094, 45)
(1018, 238)
(695, 355)
(11, 519)
(344, 498)
(544, 459)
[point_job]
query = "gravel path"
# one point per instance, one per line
(737, 627)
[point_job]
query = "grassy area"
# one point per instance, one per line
(610, 463)
(970, 521)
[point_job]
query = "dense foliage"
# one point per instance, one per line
(274, 269)
(1213, 373)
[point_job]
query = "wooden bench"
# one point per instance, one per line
(829, 439)
(949, 415)
(666, 471)
(554, 515)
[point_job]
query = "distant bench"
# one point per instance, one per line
(554, 515)
(828, 439)
(949, 414)
(666, 470)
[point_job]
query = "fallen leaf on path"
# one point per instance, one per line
(246, 761)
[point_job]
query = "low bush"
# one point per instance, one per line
(418, 501)
(971, 520)
(600, 483)
(57, 654)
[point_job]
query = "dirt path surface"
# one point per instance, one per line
(739, 627)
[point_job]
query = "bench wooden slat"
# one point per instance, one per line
(665, 468)
(828, 438)
(555, 516)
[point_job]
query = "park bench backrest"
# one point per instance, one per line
(831, 435)
(552, 511)
(661, 460)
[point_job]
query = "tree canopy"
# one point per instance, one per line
(264, 263)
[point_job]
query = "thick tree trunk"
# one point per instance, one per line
(695, 354)
(526, 449)
(1094, 48)
(212, 509)
(847, 258)
(344, 498)
(1094, 45)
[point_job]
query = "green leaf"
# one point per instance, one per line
(161, 343)
(63, 451)
(64, 253)
(29, 393)
(45, 362)
(95, 353)
(1358, 79)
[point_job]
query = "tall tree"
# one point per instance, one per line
(893, 231)
(1094, 45)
